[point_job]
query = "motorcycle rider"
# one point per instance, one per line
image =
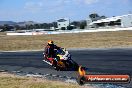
(50, 50)
(51, 55)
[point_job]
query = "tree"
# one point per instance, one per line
(54, 24)
(103, 17)
(70, 27)
(36, 26)
(17, 27)
(75, 23)
(94, 16)
(63, 28)
(6, 27)
(45, 26)
(29, 27)
(83, 24)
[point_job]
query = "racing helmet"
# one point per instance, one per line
(50, 42)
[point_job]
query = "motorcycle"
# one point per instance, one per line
(62, 61)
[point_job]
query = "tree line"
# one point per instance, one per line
(77, 24)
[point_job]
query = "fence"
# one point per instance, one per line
(70, 31)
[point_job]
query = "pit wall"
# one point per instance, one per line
(69, 31)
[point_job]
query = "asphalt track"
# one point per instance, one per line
(106, 61)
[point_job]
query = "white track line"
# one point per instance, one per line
(22, 51)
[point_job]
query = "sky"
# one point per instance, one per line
(51, 10)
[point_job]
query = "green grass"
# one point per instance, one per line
(80, 40)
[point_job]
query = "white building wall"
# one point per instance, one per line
(88, 22)
(63, 24)
(126, 21)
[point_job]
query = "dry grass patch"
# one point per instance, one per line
(2, 33)
(12, 81)
(80, 40)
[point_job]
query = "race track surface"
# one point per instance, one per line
(106, 61)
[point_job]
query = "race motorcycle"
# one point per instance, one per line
(63, 60)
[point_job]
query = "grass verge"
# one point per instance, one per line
(12, 81)
(80, 40)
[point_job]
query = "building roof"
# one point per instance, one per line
(109, 19)
(61, 20)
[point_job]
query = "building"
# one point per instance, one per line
(1, 30)
(88, 22)
(117, 21)
(63, 23)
